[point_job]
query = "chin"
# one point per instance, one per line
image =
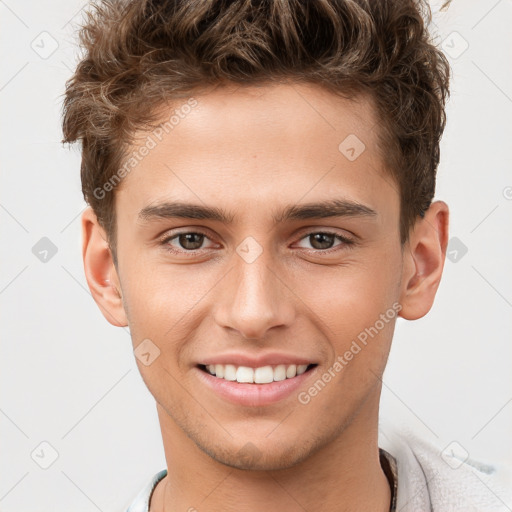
(256, 456)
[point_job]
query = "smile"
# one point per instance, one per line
(260, 375)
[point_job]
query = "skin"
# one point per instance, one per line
(252, 151)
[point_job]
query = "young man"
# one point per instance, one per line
(260, 178)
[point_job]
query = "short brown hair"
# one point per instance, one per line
(141, 54)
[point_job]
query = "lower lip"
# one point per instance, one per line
(254, 395)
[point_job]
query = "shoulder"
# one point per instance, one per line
(445, 478)
(141, 501)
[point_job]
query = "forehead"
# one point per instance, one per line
(260, 144)
(267, 115)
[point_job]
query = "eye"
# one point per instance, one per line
(185, 242)
(324, 240)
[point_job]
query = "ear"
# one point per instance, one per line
(424, 256)
(100, 270)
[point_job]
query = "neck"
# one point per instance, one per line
(343, 475)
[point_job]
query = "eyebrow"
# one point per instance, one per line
(319, 210)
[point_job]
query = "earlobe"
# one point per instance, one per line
(100, 270)
(424, 258)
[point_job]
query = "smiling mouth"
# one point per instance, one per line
(261, 375)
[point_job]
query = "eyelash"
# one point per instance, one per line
(346, 242)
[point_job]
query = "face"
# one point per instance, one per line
(259, 239)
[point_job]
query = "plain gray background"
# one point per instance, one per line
(68, 379)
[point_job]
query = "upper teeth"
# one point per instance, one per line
(262, 375)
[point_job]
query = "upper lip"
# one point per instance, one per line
(252, 361)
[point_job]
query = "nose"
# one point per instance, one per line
(255, 299)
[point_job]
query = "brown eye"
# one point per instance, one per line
(187, 243)
(324, 241)
(191, 241)
(321, 240)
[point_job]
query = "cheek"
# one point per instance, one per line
(167, 306)
(360, 315)
(159, 294)
(348, 300)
